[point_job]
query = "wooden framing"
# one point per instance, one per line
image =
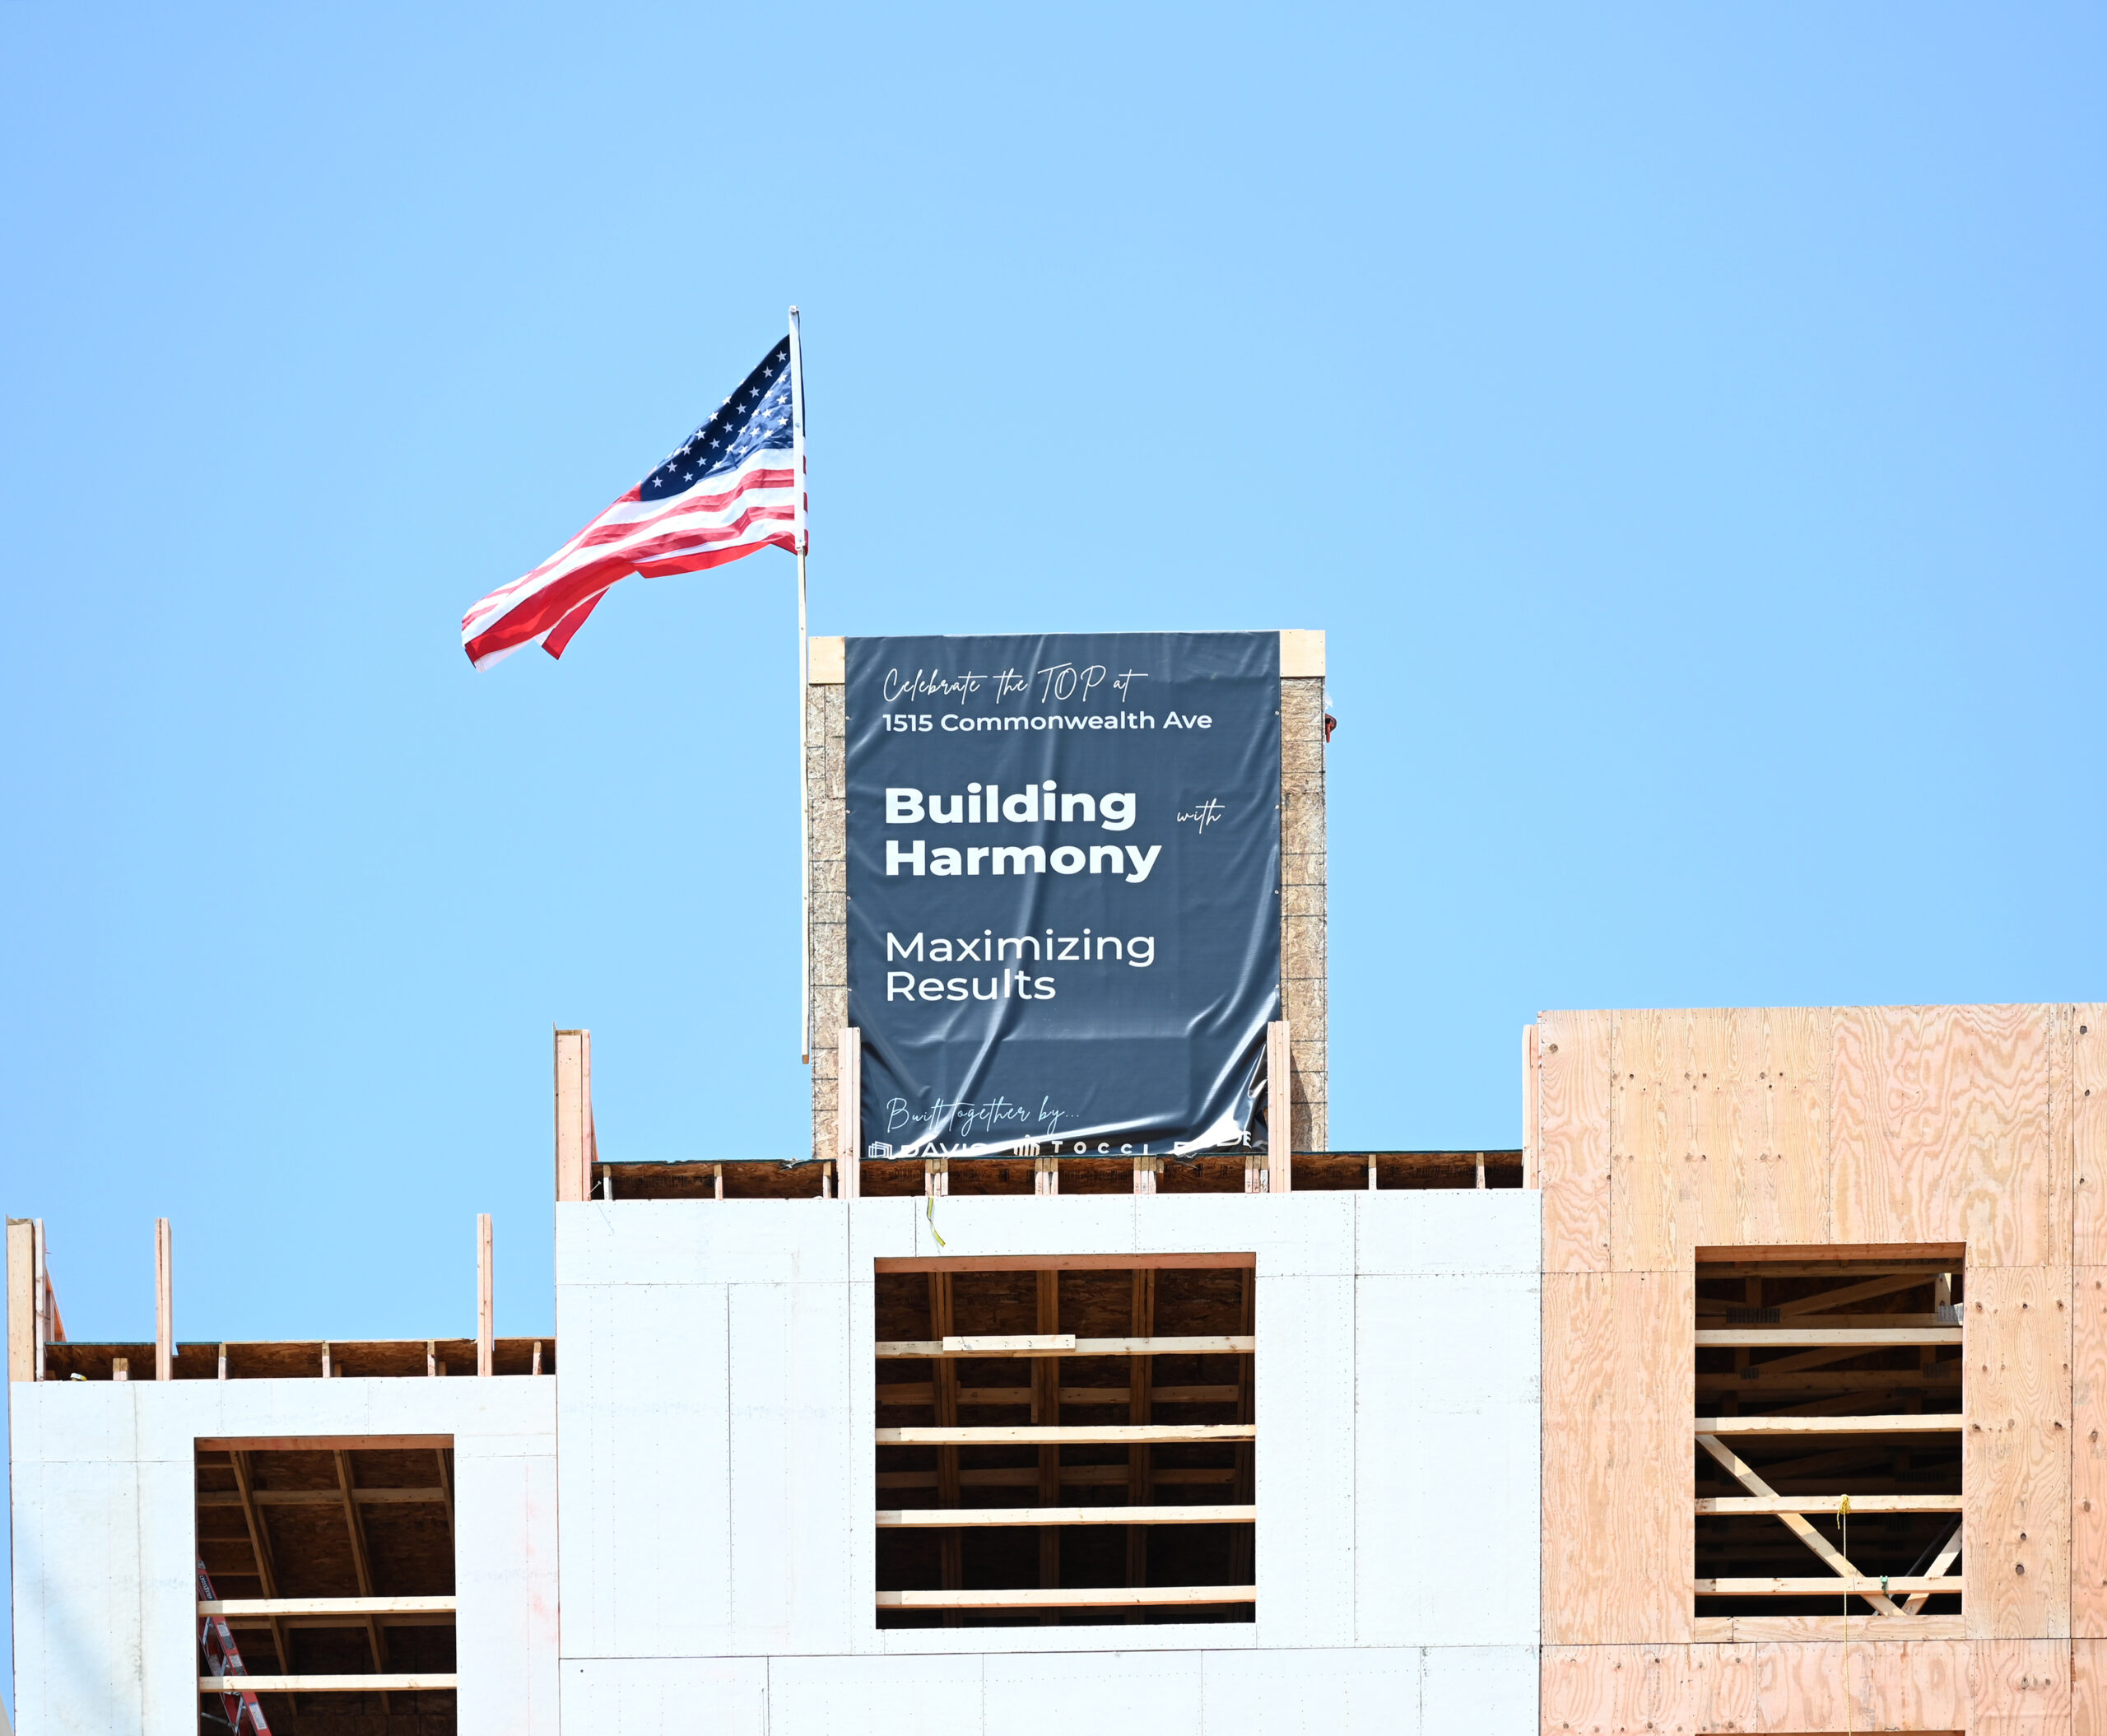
(574, 1110)
(1063, 1344)
(912, 1518)
(849, 1115)
(485, 1298)
(1280, 1107)
(21, 1300)
(1809, 1142)
(164, 1301)
(1096, 1597)
(382, 1685)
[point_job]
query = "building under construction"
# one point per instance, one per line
(1759, 1389)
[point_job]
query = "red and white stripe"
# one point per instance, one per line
(719, 519)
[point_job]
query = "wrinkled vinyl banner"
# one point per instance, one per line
(1063, 880)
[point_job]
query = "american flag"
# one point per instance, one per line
(731, 489)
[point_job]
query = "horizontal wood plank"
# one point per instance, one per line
(402, 1606)
(1015, 1343)
(1071, 1597)
(1086, 1434)
(1790, 1332)
(1907, 1422)
(938, 1349)
(1827, 1504)
(1895, 1585)
(948, 1518)
(1751, 1630)
(396, 1684)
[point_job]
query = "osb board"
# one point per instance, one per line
(2088, 1454)
(1574, 1065)
(2004, 1688)
(2016, 1453)
(1618, 1457)
(2086, 1030)
(1941, 1130)
(1719, 1131)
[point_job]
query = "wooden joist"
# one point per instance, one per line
(1070, 1597)
(1897, 1585)
(320, 1497)
(1827, 1552)
(1907, 1422)
(360, 1606)
(922, 1392)
(402, 1683)
(936, 1349)
(1826, 1504)
(932, 1518)
(1073, 1476)
(1011, 1344)
(1864, 1337)
(1087, 1433)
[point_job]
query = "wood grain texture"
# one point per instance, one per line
(1618, 1523)
(1573, 1137)
(2086, 1028)
(1769, 1686)
(1940, 1128)
(2089, 1688)
(2089, 1455)
(2015, 1463)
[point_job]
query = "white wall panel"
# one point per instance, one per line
(1429, 1230)
(664, 1696)
(1479, 1690)
(1345, 1692)
(1155, 1692)
(1305, 1460)
(926, 1696)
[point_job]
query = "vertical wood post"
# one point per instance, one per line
(485, 1298)
(1528, 1106)
(163, 1301)
(21, 1299)
(848, 1114)
(574, 1094)
(1280, 1109)
(48, 1331)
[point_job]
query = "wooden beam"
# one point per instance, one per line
(259, 1546)
(163, 1301)
(1812, 1587)
(1831, 1556)
(1008, 1344)
(1802, 1259)
(573, 1105)
(360, 1565)
(1907, 1422)
(1827, 1504)
(318, 1443)
(951, 1545)
(929, 1518)
(1080, 1434)
(319, 1497)
(446, 1490)
(415, 1682)
(940, 1350)
(919, 1392)
(1529, 1109)
(1864, 1337)
(1280, 1108)
(1060, 1262)
(1096, 1597)
(1140, 1410)
(324, 1606)
(21, 1300)
(485, 1298)
(848, 1111)
(1073, 1476)
(1940, 1563)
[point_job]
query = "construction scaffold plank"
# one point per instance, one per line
(324, 1606)
(1092, 1434)
(1092, 1596)
(1907, 1422)
(413, 1683)
(1869, 1338)
(1896, 1585)
(1063, 1344)
(1826, 1504)
(930, 1518)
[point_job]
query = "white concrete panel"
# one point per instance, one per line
(1449, 1230)
(1293, 1233)
(71, 1422)
(901, 1642)
(795, 1540)
(880, 1229)
(1026, 1223)
(693, 1241)
(1448, 1433)
(166, 1615)
(1373, 1692)
(1479, 1690)
(78, 1671)
(504, 1516)
(645, 1467)
(665, 1696)
(1305, 1460)
(924, 1696)
(1155, 1692)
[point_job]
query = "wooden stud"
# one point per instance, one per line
(21, 1300)
(223, 1361)
(1145, 1172)
(936, 1177)
(719, 1178)
(164, 1301)
(574, 1113)
(431, 1357)
(485, 1298)
(538, 1357)
(1529, 1109)
(48, 1331)
(120, 1368)
(1280, 1108)
(326, 1369)
(848, 1112)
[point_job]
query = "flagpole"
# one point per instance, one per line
(804, 683)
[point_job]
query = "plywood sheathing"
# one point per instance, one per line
(1662, 1132)
(1304, 949)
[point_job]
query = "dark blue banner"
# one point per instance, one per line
(1063, 890)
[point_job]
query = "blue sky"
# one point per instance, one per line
(1687, 424)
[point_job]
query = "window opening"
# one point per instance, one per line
(327, 1565)
(1818, 1379)
(1067, 1444)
